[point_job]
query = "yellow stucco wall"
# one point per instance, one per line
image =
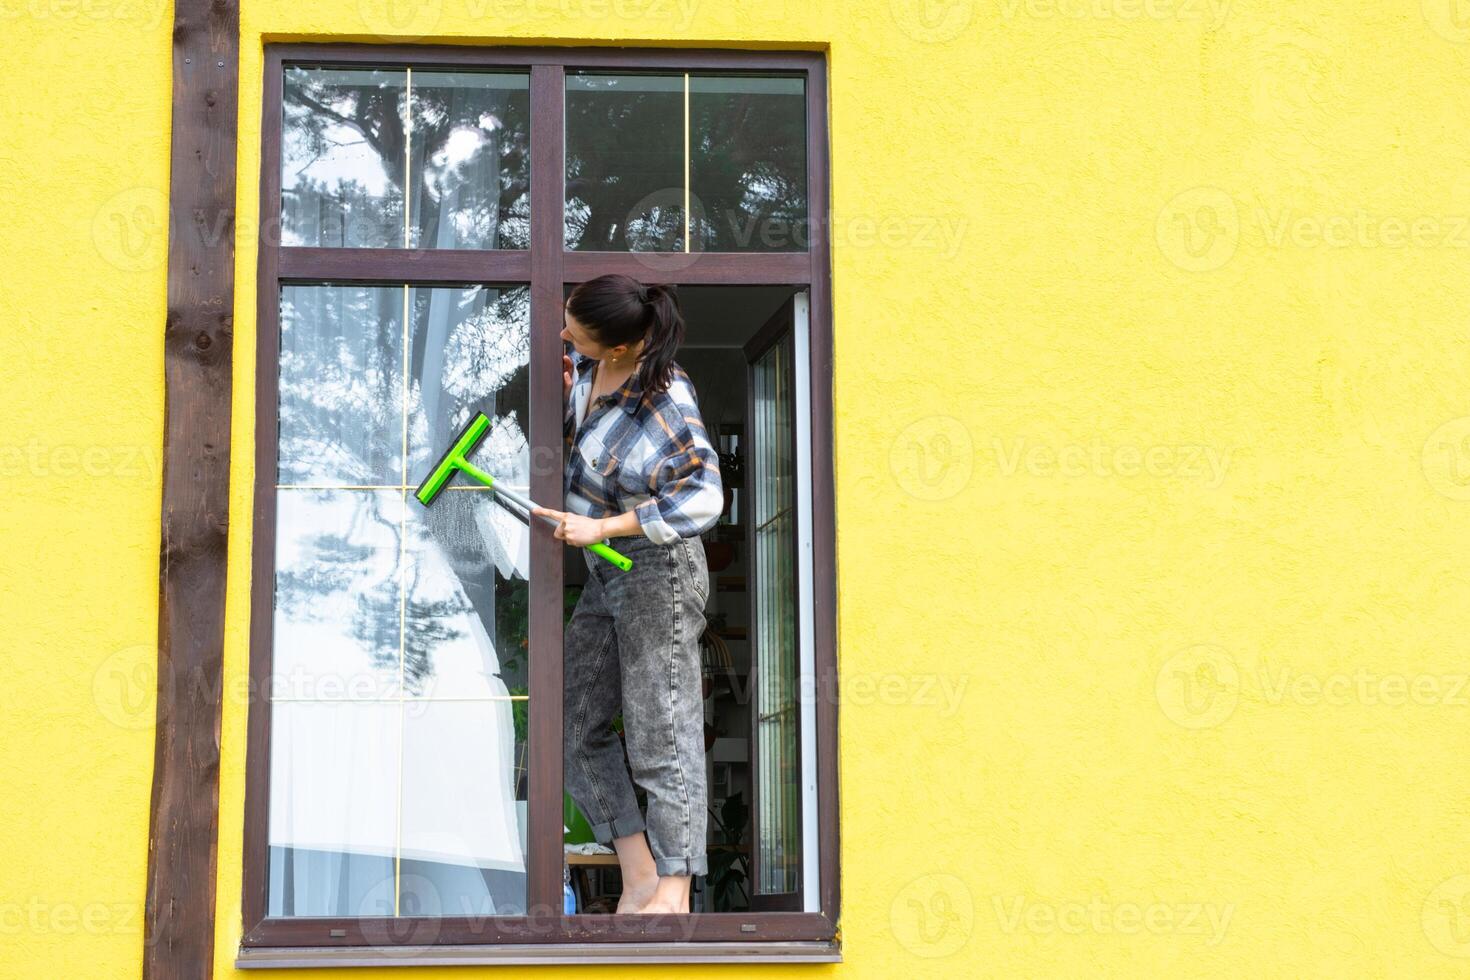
(1153, 395)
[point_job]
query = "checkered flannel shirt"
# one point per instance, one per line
(644, 452)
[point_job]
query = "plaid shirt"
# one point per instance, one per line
(643, 452)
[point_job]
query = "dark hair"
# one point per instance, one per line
(618, 309)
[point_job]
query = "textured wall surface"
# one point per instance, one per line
(1153, 457)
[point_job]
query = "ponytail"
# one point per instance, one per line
(661, 342)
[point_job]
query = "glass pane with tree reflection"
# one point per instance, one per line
(399, 653)
(633, 183)
(747, 163)
(394, 158)
(625, 162)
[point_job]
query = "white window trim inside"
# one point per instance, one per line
(807, 690)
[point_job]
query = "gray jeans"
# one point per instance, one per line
(633, 645)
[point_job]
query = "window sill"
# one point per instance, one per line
(531, 954)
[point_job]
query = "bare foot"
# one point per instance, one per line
(640, 879)
(660, 908)
(634, 898)
(671, 897)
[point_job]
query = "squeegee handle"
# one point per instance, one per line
(597, 547)
(603, 551)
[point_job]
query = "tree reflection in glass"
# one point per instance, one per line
(353, 139)
(629, 175)
(399, 639)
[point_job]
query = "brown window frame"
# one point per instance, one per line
(545, 934)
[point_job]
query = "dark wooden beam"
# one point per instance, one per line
(198, 341)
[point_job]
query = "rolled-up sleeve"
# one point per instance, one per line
(686, 492)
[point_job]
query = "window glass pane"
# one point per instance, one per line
(336, 605)
(333, 812)
(470, 160)
(475, 344)
(747, 166)
(341, 385)
(418, 613)
(464, 830)
(625, 162)
(342, 157)
(778, 762)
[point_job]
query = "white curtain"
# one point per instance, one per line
(423, 772)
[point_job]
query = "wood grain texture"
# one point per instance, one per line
(198, 341)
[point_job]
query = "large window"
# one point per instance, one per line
(404, 783)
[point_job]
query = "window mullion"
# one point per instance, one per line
(407, 157)
(686, 161)
(544, 837)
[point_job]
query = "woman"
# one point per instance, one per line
(640, 466)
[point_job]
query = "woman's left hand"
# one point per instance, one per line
(574, 529)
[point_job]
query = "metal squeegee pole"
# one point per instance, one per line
(597, 547)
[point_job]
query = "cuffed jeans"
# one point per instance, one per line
(633, 645)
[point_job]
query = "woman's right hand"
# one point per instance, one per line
(566, 376)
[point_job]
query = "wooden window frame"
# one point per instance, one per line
(545, 934)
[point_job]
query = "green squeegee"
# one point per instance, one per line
(456, 459)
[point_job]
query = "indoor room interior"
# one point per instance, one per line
(721, 323)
